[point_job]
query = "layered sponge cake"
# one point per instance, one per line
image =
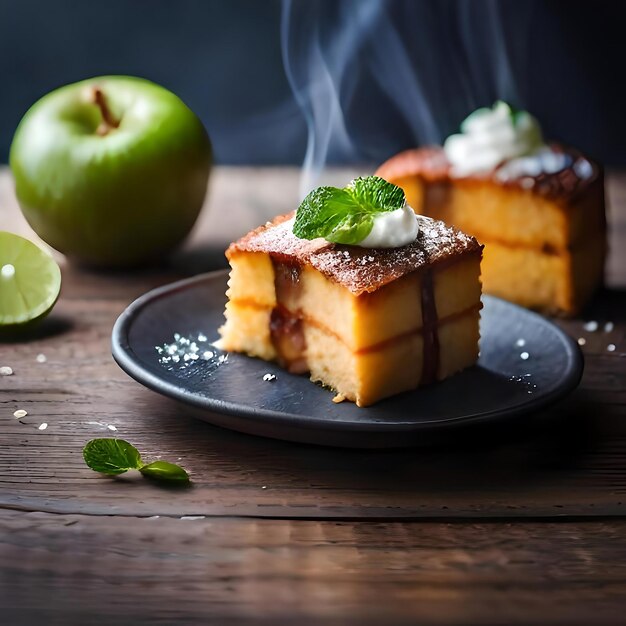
(366, 322)
(540, 214)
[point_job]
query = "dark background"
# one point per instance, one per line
(402, 72)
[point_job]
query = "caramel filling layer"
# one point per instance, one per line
(311, 321)
(287, 322)
(286, 330)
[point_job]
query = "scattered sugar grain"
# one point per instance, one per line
(264, 487)
(41, 358)
(111, 427)
(520, 343)
(269, 377)
(20, 413)
(611, 347)
(192, 518)
(608, 327)
(582, 341)
(5, 370)
(524, 356)
(43, 426)
(591, 326)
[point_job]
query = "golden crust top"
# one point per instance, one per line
(360, 270)
(431, 164)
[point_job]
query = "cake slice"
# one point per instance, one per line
(366, 322)
(537, 208)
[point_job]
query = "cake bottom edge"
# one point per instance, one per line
(361, 377)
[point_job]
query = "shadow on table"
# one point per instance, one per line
(607, 305)
(51, 326)
(512, 456)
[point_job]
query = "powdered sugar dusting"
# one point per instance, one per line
(277, 237)
(360, 270)
(563, 171)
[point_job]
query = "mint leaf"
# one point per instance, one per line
(514, 113)
(116, 456)
(346, 215)
(162, 470)
(111, 456)
(351, 229)
(376, 194)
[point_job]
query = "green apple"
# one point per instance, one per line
(111, 171)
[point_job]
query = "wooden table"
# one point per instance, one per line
(525, 525)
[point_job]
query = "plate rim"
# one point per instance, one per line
(130, 363)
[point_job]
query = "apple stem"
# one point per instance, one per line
(108, 121)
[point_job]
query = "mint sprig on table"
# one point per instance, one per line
(116, 456)
(346, 215)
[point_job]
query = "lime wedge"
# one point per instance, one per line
(30, 281)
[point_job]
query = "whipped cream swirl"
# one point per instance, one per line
(392, 229)
(490, 136)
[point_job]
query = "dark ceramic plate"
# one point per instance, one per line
(526, 363)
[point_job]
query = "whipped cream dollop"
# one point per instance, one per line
(490, 136)
(392, 229)
(545, 160)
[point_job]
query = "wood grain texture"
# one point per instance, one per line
(569, 461)
(517, 525)
(217, 571)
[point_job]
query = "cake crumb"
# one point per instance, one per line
(339, 398)
(5, 370)
(20, 413)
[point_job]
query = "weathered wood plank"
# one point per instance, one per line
(576, 466)
(277, 572)
(573, 466)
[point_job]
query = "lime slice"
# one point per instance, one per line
(30, 281)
